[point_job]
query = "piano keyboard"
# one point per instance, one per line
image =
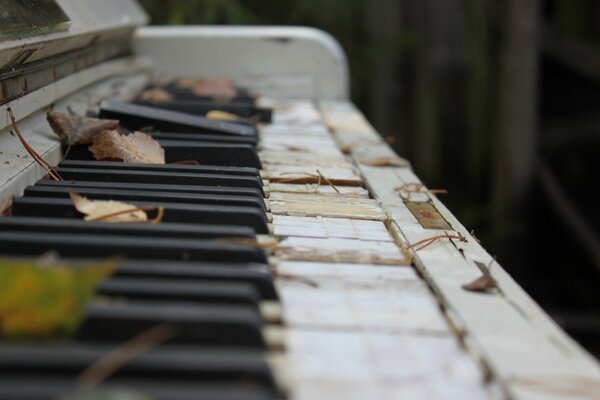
(192, 271)
(251, 323)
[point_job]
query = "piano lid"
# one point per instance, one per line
(34, 30)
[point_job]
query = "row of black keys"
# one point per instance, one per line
(190, 271)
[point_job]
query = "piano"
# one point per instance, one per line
(297, 257)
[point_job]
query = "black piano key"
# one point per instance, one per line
(180, 290)
(258, 275)
(100, 175)
(203, 107)
(161, 364)
(178, 168)
(204, 137)
(217, 190)
(146, 196)
(93, 245)
(208, 154)
(135, 117)
(172, 230)
(182, 93)
(173, 212)
(40, 388)
(199, 324)
(238, 155)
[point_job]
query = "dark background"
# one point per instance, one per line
(497, 101)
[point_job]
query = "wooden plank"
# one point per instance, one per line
(374, 366)
(340, 250)
(300, 204)
(348, 191)
(310, 174)
(330, 228)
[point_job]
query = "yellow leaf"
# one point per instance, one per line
(107, 210)
(216, 114)
(45, 302)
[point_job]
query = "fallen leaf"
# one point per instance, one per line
(217, 114)
(6, 205)
(155, 95)
(217, 87)
(136, 147)
(45, 302)
(72, 129)
(107, 210)
(385, 162)
(484, 283)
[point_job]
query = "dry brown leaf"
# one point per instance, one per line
(137, 147)
(384, 162)
(482, 284)
(217, 114)
(156, 96)
(107, 210)
(217, 87)
(72, 129)
(6, 205)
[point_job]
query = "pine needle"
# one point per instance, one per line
(34, 154)
(421, 244)
(111, 362)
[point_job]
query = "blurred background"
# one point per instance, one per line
(497, 101)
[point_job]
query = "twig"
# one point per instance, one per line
(327, 181)
(318, 184)
(186, 162)
(34, 154)
(250, 242)
(416, 187)
(295, 278)
(429, 241)
(111, 362)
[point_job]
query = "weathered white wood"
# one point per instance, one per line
(342, 116)
(310, 174)
(348, 191)
(404, 306)
(330, 228)
(303, 158)
(508, 329)
(340, 250)
(317, 130)
(348, 272)
(325, 206)
(363, 365)
(17, 169)
(306, 144)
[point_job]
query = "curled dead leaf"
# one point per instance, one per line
(155, 95)
(73, 129)
(217, 87)
(107, 210)
(137, 147)
(217, 114)
(484, 283)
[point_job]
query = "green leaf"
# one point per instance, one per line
(45, 303)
